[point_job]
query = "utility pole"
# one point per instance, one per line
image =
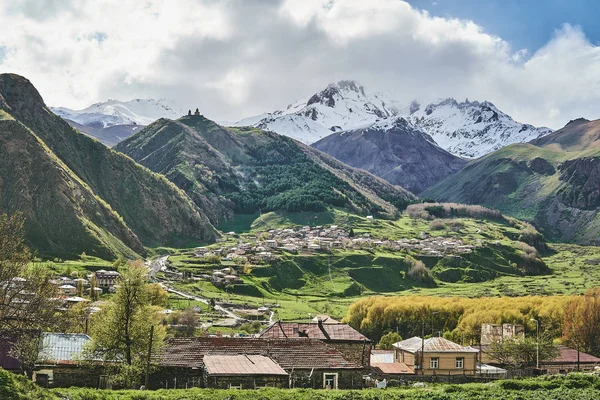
(149, 355)
(537, 344)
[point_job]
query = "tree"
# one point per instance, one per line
(157, 296)
(27, 297)
(184, 323)
(387, 341)
(581, 326)
(121, 330)
(93, 285)
(518, 353)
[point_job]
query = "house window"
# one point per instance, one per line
(330, 381)
(235, 385)
(434, 363)
(460, 362)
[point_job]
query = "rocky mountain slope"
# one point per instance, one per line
(229, 171)
(394, 150)
(76, 194)
(470, 129)
(113, 120)
(341, 106)
(552, 181)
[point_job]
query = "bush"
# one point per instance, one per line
(417, 270)
(437, 225)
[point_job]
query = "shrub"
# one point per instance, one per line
(417, 270)
(437, 225)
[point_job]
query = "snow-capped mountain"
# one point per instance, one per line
(470, 129)
(341, 106)
(467, 129)
(115, 112)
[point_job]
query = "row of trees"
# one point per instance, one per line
(574, 320)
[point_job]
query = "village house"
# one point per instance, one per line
(106, 279)
(59, 359)
(69, 290)
(436, 356)
(352, 344)
(308, 363)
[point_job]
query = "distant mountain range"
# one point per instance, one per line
(113, 120)
(76, 194)
(553, 181)
(467, 129)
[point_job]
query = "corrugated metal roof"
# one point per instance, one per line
(241, 365)
(288, 353)
(326, 331)
(382, 356)
(62, 348)
(393, 368)
(433, 345)
(569, 355)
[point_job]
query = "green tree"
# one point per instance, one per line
(156, 295)
(520, 353)
(121, 331)
(387, 341)
(26, 293)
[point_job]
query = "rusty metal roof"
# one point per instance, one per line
(433, 345)
(288, 353)
(393, 368)
(241, 365)
(313, 330)
(569, 356)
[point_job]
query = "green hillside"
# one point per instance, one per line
(241, 171)
(78, 195)
(554, 184)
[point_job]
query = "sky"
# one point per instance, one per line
(536, 60)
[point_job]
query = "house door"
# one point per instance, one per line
(330, 381)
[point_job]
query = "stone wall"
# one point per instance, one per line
(68, 376)
(359, 352)
(247, 382)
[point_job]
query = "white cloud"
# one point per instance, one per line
(233, 58)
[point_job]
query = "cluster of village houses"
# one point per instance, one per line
(105, 282)
(313, 239)
(323, 353)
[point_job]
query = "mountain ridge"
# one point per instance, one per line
(146, 208)
(394, 150)
(246, 170)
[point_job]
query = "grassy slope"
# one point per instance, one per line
(154, 209)
(302, 284)
(505, 180)
(242, 170)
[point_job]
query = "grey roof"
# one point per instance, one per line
(62, 348)
(433, 345)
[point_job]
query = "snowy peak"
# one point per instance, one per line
(115, 112)
(340, 106)
(471, 128)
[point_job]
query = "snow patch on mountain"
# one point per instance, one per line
(115, 112)
(470, 129)
(467, 129)
(341, 106)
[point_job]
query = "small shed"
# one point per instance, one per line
(243, 372)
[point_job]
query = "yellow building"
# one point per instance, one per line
(440, 356)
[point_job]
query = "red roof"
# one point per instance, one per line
(569, 355)
(395, 368)
(313, 330)
(288, 353)
(241, 365)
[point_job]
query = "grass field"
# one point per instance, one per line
(575, 386)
